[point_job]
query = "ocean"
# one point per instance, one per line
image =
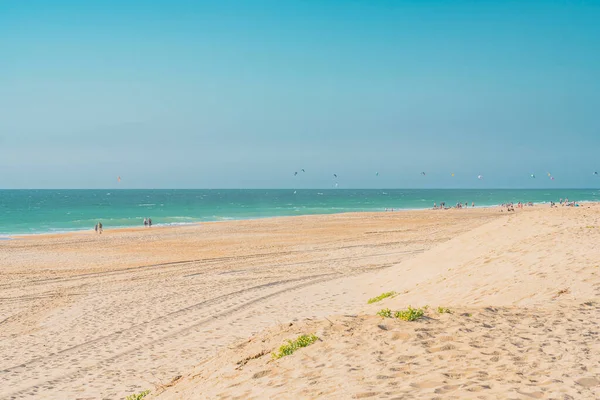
(46, 211)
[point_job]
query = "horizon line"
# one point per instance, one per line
(317, 188)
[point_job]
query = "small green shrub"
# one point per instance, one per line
(381, 297)
(138, 396)
(293, 345)
(385, 313)
(444, 310)
(410, 314)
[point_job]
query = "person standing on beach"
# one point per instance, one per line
(149, 222)
(100, 228)
(96, 228)
(145, 222)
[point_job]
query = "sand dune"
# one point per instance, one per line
(523, 292)
(495, 353)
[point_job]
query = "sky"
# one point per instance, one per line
(241, 94)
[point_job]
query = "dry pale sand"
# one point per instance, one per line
(88, 316)
(523, 290)
(85, 316)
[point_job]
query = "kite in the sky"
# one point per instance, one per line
(335, 175)
(295, 173)
(479, 176)
(551, 178)
(595, 173)
(302, 170)
(119, 179)
(423, 173)
(452, 174)
(336, 184)
(549, 174)
(532, 175)
(376, 173)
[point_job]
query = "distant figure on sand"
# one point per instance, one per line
(100, 227)
(145, 222)
(96, 228)
(149, 222)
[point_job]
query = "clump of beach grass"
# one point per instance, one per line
(444, 310)
(138, 396)
(292, 345)
(410, 314)
(385, 313)
(381, 297)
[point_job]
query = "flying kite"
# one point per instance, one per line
(423, 173)
(295, 173)
(595, 173)
(479, 176)
(452, 174)
(302, 170)
(336, 184)
(549, 174)
(335, 175)
(119, 179)
(376, 173)
(532, 175)
(551, 178)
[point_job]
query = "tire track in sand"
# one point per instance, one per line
(31, 384)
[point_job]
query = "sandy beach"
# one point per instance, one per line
(195, 312)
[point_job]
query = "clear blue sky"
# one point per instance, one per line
(243, 93)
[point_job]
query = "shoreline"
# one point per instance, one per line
(124, 229)
(135, 228)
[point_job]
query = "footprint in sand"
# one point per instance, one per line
(533, 395)
(426, 384)
(588, 382)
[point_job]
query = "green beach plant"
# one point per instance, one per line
(385, 313)
(292, 345)
(381, 297)
(410, 314)
(138, 396)
(444, 310)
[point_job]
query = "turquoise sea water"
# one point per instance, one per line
(40, 211)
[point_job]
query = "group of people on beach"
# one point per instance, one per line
(511, 206)
(566, 202)
(508, 206)
(98, 227)
(442, 205)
